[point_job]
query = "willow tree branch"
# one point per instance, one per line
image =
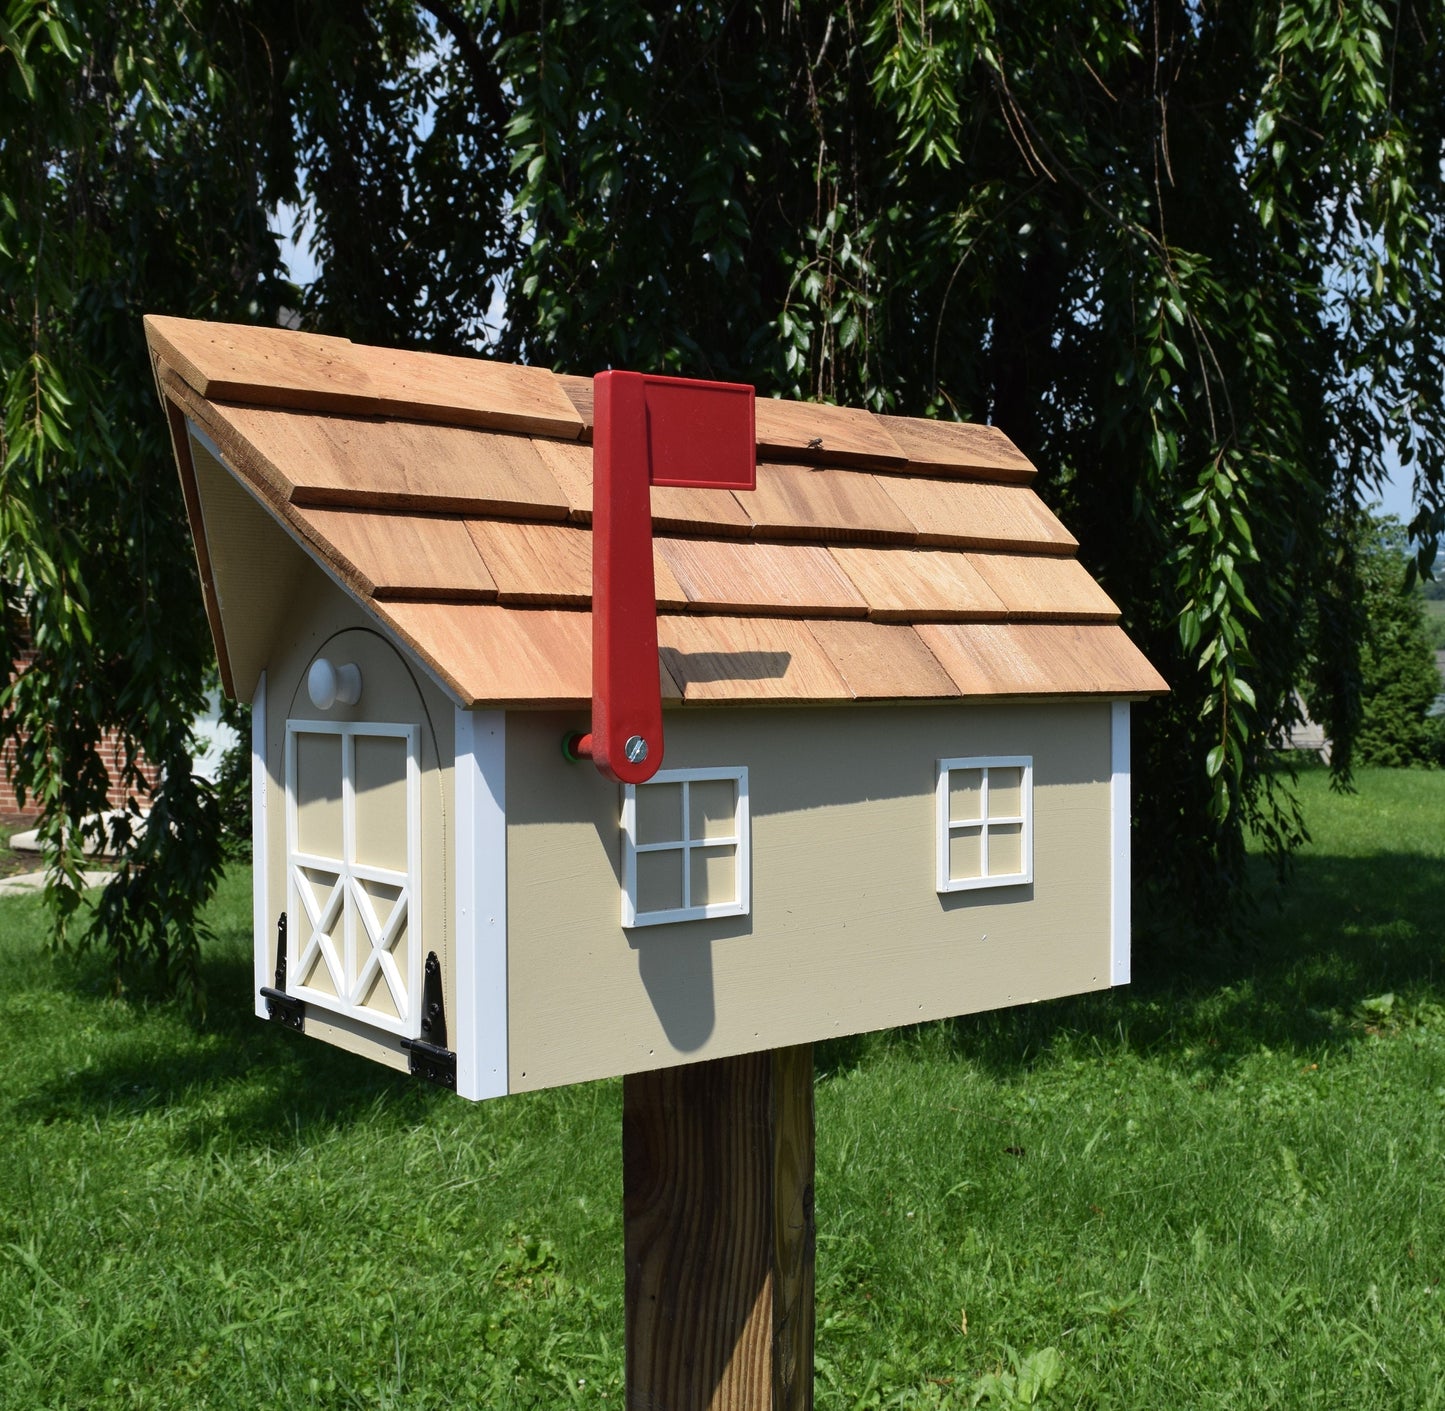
(484, 78)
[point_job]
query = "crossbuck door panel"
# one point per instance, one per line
(353, 841)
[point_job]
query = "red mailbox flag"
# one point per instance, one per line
(647, 431)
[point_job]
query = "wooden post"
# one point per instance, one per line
(717, 1194)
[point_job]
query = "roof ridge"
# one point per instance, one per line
(294, 370)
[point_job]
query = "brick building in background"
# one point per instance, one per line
(111, 752)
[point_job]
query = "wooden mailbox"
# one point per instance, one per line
(892, 715)
(895, 783)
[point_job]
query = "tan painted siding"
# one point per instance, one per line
(324, 621)
(847, 932)
(256, 569)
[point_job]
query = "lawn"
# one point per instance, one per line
(1224, 1187)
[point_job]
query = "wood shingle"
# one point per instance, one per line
(879, 558)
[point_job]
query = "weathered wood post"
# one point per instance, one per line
(717, 1193)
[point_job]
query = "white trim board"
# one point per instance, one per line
(1120, 879)
(480, 1033)
(262, 922)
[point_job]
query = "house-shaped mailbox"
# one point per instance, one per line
(895, 781)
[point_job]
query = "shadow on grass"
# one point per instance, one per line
(235, 1078)
(1345, 930)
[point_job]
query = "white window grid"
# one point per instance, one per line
(986, 822)
(312, 924)
(686, 844)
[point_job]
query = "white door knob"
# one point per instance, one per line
(328, 684)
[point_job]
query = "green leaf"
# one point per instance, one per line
(60, 39)
(11, 42)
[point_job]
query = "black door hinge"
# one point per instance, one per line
(280, 1006)
(430, 1057)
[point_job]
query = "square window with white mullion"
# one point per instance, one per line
(985, 822)
(353, 868)
(685, 846)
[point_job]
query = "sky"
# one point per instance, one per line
(1397, 497)
(295, 236)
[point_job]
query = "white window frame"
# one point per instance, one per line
(947, 827)
(739, 839)
(351, 873)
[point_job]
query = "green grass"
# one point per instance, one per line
(1224, 1187)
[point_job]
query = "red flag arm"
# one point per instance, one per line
(647, 431)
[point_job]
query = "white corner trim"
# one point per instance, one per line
(480, 1031)
(1119, 873)
(263, 924)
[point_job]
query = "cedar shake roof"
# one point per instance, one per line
(880, 557)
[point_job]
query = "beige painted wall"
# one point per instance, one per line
(255, 603)
(323, 621)
(847, 932)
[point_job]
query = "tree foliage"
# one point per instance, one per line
(1186, 255)
(1398, 677)
(127, 182)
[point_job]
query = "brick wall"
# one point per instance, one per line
(8, 802)
(110, 752)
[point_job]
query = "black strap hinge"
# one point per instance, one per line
(430, 1057)
(284, 1008)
